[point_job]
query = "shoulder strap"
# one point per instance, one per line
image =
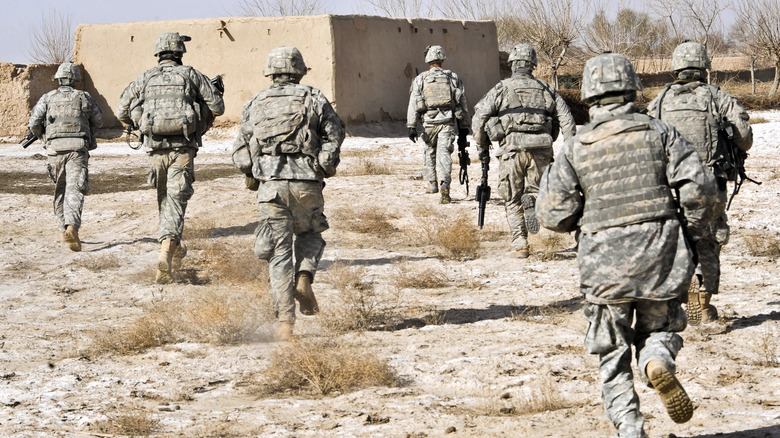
(661, 101)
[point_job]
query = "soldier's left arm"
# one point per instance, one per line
(461, 104)
(212, 98)
(565, 118)
(560, 202)
(37, 116)
(731, 109)
(331, 131)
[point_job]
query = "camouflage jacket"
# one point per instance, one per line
(500, 100)
(326, 133)
(40, 118)
(203, 96)
(723, 105)
(459, 110)
(647, 260)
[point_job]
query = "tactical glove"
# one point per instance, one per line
(484, 156)
(251, 183)
(413, 135)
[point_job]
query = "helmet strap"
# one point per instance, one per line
(618, 97)
(690, 74)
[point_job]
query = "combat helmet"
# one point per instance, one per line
(608, 73)
(170, 42)
(690, 54)
(68, 70)
(285, 60)
(523, 52)
(434, 53)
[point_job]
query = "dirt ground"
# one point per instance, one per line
(480, 343)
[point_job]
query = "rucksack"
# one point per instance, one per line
(168, 108)
(280, 118)
(437, 89)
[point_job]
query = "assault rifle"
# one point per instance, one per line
(483, 194)
(731, 159)
(218, 84)
(465, 160)
(133, 140)
(28, 140)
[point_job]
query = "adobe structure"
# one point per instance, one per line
(363, 64)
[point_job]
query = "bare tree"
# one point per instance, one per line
(759, 23)
(632, 33)
(398, 8)
(470, 9)
(280, 8)
(551, 26)
(51, 41)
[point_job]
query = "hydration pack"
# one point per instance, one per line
(437, 89)
(280, 119)
(168, 108)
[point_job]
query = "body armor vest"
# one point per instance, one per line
(437, 89)
(280, 118)
(621, 163)
(65, 115)
(168, 108)
(525, 120)
(691, 109)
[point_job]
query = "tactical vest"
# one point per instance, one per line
(621, 164)
(280, 118)
(168, 108)
(65, 115)
(526, 119)
(693, 112)
(437, 89)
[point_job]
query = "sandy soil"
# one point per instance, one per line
(472, 354)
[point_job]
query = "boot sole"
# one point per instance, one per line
(675, 399)
(308, 304)
(693, 309)
(531, 223)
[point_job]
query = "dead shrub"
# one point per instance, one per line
(366, 166)
(767, 349)
(543, 396)
(757, 120)
(455, 238)
(427, 278)
(131, 421)
(230, 261)
(549, 245)
(357, 306)
(325, 366)
(762, 244)
(371, 221)
(547, 314)
(98, 263)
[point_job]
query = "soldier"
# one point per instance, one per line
(65, 120)
(439, 95)
(289, 141)
(697, 110)
(524, 115)
(172, 105)
(623, 181)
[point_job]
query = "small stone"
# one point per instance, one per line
(329, 425)
(451, 429)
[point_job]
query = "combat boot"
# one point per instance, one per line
(708, 312)
(71, 237)
(675, 399)
(445, 196)
(305, 295)
(178, 255)
(164, 261)
(529, 210)
(693, 307)
(284, 330)
(520, 246)
(433, 187)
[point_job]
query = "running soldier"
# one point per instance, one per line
(172, 105)
(628, 182)
(524, 115)
(65, 120)
(698, 111)
(289, 141)
(439, 96)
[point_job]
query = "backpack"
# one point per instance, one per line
(168, 108)
(280, 120)
(437, 90)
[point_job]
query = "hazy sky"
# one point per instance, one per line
(19, 17)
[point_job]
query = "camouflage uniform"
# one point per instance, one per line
(171, 119)
(65, 119)
(695, 109)
(289, 140)
(614, 182)
(524, 115)
(443, 117)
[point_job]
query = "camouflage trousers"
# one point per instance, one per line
(708, 248)
(611, 336)
(519, 173)
(172, 172)
(437, 158)
(71, 183)
(289, 236)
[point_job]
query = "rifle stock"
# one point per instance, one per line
(28, 140)
(483, 194)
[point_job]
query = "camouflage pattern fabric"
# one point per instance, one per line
(203, 95)
(89, 111)
(520, 169)
(437, 156)
(289, 236)
(172, 173)
(611, 335)
(458, 113)
(726, 106)
(71, 183)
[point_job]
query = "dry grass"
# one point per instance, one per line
(98, 263)
(547, 314)
(456, 238)
(371, 221)
(758, 120)
(130, 421)
(767, 349)
(427, 278)
(229, 260)
(368, 166)
(357, 305)
(549, 245)
(542, 396)
(325, 366)
(217, 317)
(761, 244)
